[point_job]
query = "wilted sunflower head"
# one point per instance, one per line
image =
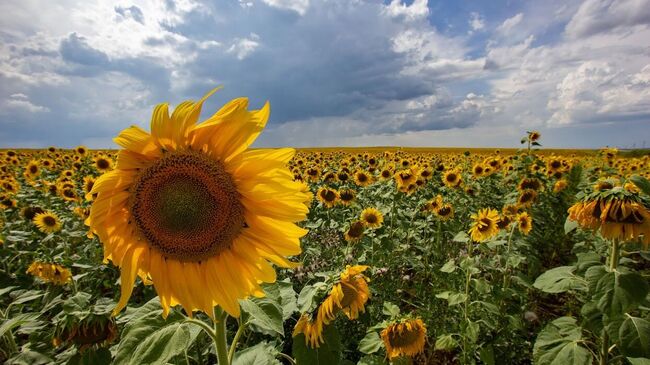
(527, 198)
(192, 209)
(404, 338)
(29, 212)
(534, 136)
(355, 231)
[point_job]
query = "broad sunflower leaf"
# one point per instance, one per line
(616, 292)
(265, 313)
(261, 354)
(329, 353)
(642, 183)
(17, 321)
(371, 343)
(634, 337)
(560, 343)
(446, 342)
(559, 280)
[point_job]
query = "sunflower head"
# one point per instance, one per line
(372, 218)
(524, 222)
(327, 196)
(355, 231)
(484, 225)
(47, 222)
(404, 338)
(347, 196)
(445, 212)
(187, 207)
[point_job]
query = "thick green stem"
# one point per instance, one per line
(468, 280)
(613, 265)
(220, 335)
(506, 273)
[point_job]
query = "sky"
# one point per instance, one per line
(336, 72)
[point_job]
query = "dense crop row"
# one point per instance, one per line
(429, 257)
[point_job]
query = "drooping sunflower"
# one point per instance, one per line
(355, 231)
(527, 198)
(50, 273)
(524, 222)
(190, 207)
(47, 222)
(349, 295)
(311, 328)
(484, 226)
(372, 218)
(404, 338)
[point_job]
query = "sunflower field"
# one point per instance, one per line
(186, 246)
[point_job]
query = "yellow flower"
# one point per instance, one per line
(559, 185)
(362, 178)
(312, 329)
(404, 338)
(327, 196)
(47, 222)
(192, 208)
(372, 218)
(452, 178)
(349, 295)
(485, 225)
(347, 196)
(524, 222)
(50, 273)
(355, 232)
(445, 212)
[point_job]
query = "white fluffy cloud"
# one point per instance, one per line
(418, 10)
(299, 6)
(597, 16)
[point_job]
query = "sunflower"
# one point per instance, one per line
(355, 231)
(527, 198)
(404, 338)
(47, 222)
(434, 204)
(312, 329)
(445, 212)
(192, 208)
(534, 136)
(372, 218)
(349, 295)
(485, 225)
(30, 212)
(529, 183)
(616, 218)
(362, 178)
(6, 202)
(524, 222)
(50, 273)
(452, 178)
(103, 163)
(32, 170)
(347, 196)
(89, 182)
(478, 170)
(81, 150)
(327, 196)
(559, 185)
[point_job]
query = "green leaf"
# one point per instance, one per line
(638, 361)
(261, 354)
(642, 183)
(570, 226)
(559, 343)
(445, 342)
(472, 331)
(29, 357)
(371, 343)
(6, 290)
(149, 338)
(559, 280)
(634, 335)
(390, 309)
(91, 356)
(306, 298)
(17, 321)
(265, 313)
(461, 237)
(449, 266)
(452, 298)
(28, 296)
(282, 292)
(487, 355)
(329, 353)
(616, 293)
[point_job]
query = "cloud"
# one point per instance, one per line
(299, 6)
(20, 102)
(418, 10)
(243, 47)
(132, 12)
(509, 24)
(598, 16)
(476, 21)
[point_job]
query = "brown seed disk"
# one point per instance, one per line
(186, 206)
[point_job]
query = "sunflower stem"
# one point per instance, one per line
(613, 265)
(220, 335)
(506, 276)
(235, 340)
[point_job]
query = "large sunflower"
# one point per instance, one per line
(193, 209)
